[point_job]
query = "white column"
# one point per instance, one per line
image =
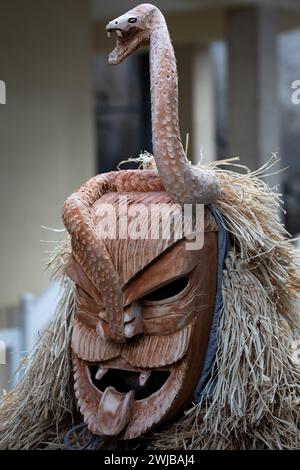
(254, 128)
(196, 101)
(204, 124)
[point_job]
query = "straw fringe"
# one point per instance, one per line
(41, 407)
(255, 386)
(252, 400)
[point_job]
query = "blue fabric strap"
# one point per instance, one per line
(223, 248)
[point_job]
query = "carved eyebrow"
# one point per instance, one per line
(153, 276)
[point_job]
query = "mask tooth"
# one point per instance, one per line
(100, 373)
(144, 377)
(108, 34)
(119, 33)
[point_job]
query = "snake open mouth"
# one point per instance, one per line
(144, 383)
(127, 41)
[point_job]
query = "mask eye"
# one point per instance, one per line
(168, 290)
(84, 293)
(132, 20)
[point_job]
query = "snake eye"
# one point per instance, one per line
(132, 20)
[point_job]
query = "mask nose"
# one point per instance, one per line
(132, 326)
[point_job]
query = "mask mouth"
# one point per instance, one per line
(119, 399)
(144, 383)
(127, 41)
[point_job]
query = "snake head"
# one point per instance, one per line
(132, 30)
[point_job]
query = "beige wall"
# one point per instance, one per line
(46, 141)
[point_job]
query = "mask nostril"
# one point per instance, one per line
(116, 22)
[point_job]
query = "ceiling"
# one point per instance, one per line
(102, 9)
(108, 9)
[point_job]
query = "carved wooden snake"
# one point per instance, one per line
(186, 184)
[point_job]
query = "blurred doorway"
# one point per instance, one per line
(122, 110)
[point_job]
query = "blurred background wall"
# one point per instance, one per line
(46, 129)
(69, 115)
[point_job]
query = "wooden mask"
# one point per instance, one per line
(144, 305)
(136, 366)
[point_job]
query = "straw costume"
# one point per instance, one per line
(155, 343)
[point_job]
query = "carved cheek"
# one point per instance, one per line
(86, 341)
(87, 309)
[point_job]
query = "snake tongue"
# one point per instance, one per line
(114, 411)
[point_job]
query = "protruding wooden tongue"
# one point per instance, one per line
(114, 411)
